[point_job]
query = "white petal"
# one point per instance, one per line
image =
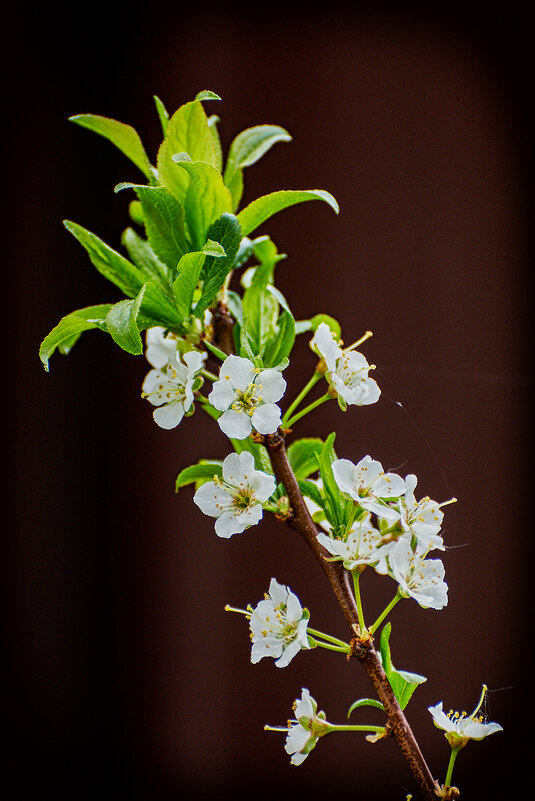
(288, 654)
(159, 348)
(152, 378)
(263, 485)
(194, 361)
(222, 395)
(228, 524)
(344, 475)
(239, 371)
(273, 385)
(169, 416)
(236, 466)
(266, 419)
(212, 499)
(234, 424)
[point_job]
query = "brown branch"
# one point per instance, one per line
(363, 650)
(223, 325)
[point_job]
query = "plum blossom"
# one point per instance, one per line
(171, 389)
(305, 731)
(369, 485)
(460, 728)
(247, 397)
(347, 370)
(160, 347)
(236, 498)
(278, 626)
(363, 545)
(418, 577)
(422, 519)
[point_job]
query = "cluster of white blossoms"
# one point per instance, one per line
(405, 532)
(278, 626)
(236, 499)
(346, 370)
(247, 397)
(172, 382)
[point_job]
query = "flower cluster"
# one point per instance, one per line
(345, 370)
(172, 382)
(305, 729)
(392, 532)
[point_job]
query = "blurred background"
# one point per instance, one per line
(128, 680)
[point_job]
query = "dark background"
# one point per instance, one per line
(128, 680)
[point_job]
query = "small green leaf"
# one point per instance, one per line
(123, 136)
(188, 132)
(164, 223)
(246, 149)
(226, 232)
(330, 487)
(163, 114)
(67, 332)
(312, 491)
(403, 683)
(206, 94)
(121, 322)
(333, 324)
(280, 346)
(207, 198)
(304, 454)
(197, 472)
(266, 206)
(143, 256)
(365, 702)
(189, 273)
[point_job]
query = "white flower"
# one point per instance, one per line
(421, 518)
(362, 546)
(247, 397)
(278, 626)
(172, 391)
(347, 370)
(160, 348)
(305, 731)
(235, 499)
(418, 577)
(460, 728)
(369, 485)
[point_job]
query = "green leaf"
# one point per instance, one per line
(121, 135)
(189, 273)
(304, 455)
(403, 683)
(333, 324)
(126, 276)
(246, 149)
(365, 702)
(121, 322)
(206, 199)
(206, 94)
(259, 452)
(261, 311)
(266, 206)
(312, 491)
(279, 347)
(198, 472)
(164, 223)
(332, 493)
(226, 232)
(67, 332)
(145, 259)
(188, 132)
(163, 114)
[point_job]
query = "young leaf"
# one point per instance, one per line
(189, 272)
(402, 682)
(143, 256)
(206, 199)
(126, 276)
(312, 491)
(261, 310)
(365, 702)
(266, 206)
(121, 322)
(330, 487)
(226, 232)
(121, 135)
(303, 455)
(279, 347)
(67, 332)
(164, 223)
(197, 472)
(188, 132)
(247, 147)
(163, 114)
(259, 452)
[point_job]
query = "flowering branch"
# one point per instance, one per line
(339, 579)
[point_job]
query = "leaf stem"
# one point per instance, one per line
(397, 597)
(304, 392)
(289, 423)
